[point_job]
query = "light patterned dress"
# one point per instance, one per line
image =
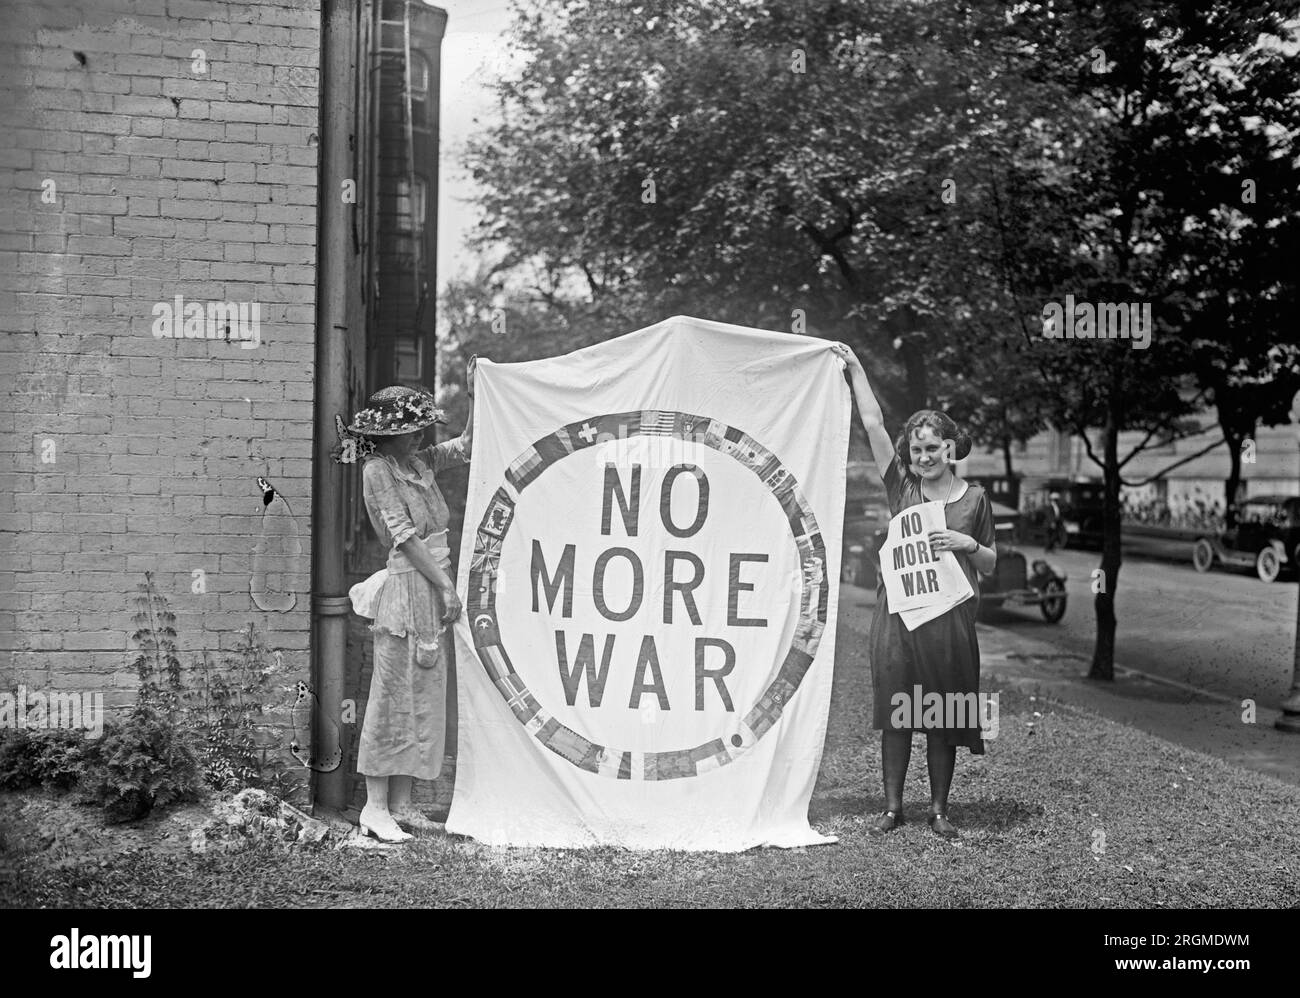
(404, 730)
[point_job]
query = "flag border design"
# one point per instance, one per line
(620, 764)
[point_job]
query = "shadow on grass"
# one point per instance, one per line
(995, 815)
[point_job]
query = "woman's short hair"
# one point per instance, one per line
(944, 428)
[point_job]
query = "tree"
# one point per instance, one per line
(1160, 81)
(917, 179)
(756, 161)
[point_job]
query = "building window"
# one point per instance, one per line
(407, 366)
(1162, 444)
(410, 205)
(420, 117)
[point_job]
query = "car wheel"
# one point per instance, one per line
(1267, 564)
(1053, 604)
(1202, 555)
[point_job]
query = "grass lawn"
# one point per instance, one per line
(1064, 810)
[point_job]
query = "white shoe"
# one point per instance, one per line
(380, 825)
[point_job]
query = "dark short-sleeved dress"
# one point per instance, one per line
(941, 656)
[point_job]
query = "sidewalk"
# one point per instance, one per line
(1206, 722)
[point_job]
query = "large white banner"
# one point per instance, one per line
(649, 568)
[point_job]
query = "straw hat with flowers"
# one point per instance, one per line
(396, 410)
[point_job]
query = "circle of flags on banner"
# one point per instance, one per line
(495, 523)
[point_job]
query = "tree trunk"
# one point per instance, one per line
(1103, 655)
(1012, 495)
(1238, 422)
(1232, 484)
(906, 331)
(1234, 437)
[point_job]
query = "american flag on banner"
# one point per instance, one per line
(655, 422)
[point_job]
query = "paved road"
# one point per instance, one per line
(1222, 631)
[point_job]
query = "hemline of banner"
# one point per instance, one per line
(793, 839)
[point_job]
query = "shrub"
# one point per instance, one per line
(175, 738)
(223, 707)
(137, 765)
(143, 763)
(156, 661)
(58, 758)
(66, 756)
(18, 760)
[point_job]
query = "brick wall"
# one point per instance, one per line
(137, 169)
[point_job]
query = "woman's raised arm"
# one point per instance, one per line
(467, 435)
(882, 447)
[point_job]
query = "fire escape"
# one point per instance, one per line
(401, 328)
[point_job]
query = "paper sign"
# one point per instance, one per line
(920, 582)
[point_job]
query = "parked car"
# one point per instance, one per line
(1014, 582)
(865, 512)
(1266, 537)
(1001, 488)
(1081, 522)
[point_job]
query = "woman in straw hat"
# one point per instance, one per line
(412, 601)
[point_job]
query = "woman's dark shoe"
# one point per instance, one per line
(941, 826)
(884, 822)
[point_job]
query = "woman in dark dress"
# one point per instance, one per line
(942, 655)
